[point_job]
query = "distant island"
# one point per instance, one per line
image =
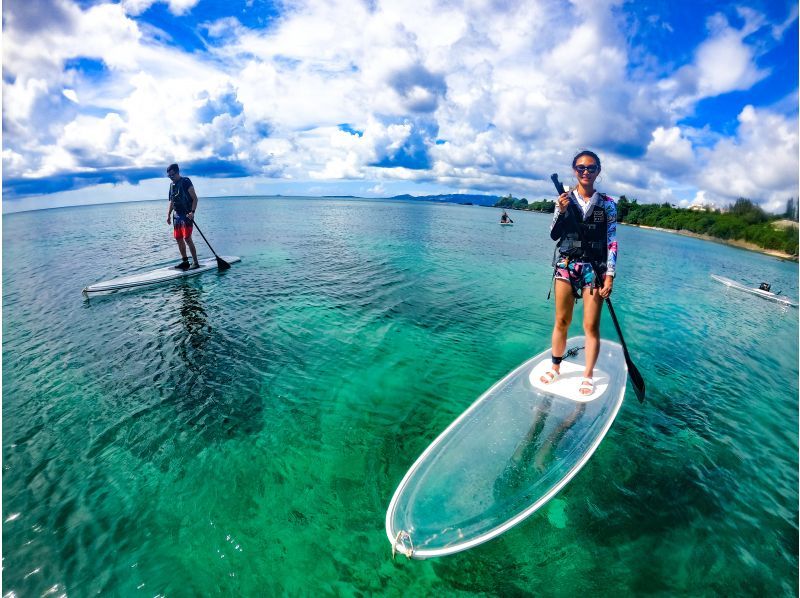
(460, 198)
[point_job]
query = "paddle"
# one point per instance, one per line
(221, 264)
(633, 371)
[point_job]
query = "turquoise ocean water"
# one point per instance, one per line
(243, 433)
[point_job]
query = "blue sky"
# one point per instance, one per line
(686, 102)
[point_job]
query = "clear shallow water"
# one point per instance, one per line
(243, 433)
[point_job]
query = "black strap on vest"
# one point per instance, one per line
(595, 266)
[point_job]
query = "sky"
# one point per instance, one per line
(685, 101)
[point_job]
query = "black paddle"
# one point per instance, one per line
(633, 371)
(221, 264)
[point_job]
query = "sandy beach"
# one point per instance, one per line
(731, 242)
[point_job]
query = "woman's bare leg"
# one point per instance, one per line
(592, 309)
(565, 303)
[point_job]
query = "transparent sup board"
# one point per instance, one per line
(509, 453)
(770, 296)
(156, 276)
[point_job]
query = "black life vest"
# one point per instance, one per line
(590, 243)
(179, 196)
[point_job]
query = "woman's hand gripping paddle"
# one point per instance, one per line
(633, 371)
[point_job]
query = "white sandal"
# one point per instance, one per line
(587, 384)
(549, 377)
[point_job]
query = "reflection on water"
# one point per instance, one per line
(198, 333)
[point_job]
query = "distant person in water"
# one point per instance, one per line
(182, 205)
(585, 224)
(505, 219)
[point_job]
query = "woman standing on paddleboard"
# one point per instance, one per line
(585, 226)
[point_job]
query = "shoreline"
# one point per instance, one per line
(732, 243)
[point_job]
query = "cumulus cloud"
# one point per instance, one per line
(419, 88)
(759, 163)
(670, 150)
(723, 63)
(176, 7)
(33, 16)
(473, 95)
(739, 71)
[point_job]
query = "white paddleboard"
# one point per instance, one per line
(156, 276)
(768, 295)
(509, 453)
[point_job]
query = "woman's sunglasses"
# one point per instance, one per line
(591, 169)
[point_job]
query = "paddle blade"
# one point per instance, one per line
(633, 371)
(636, 380)
(222, 264)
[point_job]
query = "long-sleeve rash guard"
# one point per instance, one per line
(602, 201)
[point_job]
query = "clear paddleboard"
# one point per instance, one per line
(768, 295)
(509, 453)
(155, 276)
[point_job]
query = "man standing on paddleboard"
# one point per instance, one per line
(183, 202)
(585, 226)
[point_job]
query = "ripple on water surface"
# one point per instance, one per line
(242, 433)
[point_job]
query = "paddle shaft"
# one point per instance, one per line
(221, 264)
(633, 371)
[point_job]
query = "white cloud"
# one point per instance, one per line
(150, 96)
(13, 161)
(91, 138)
(779, 29)
(489, 95)
(723, 63)
(377, 190)
(760, 163)
(19, 99)
(70, 95)
(670, 150)
(176, 7)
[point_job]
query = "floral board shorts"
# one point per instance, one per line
(182, 226)
(578, 274)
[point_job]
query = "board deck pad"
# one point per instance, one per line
(502, 459)
(567, 385)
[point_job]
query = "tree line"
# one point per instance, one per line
(743, 221)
